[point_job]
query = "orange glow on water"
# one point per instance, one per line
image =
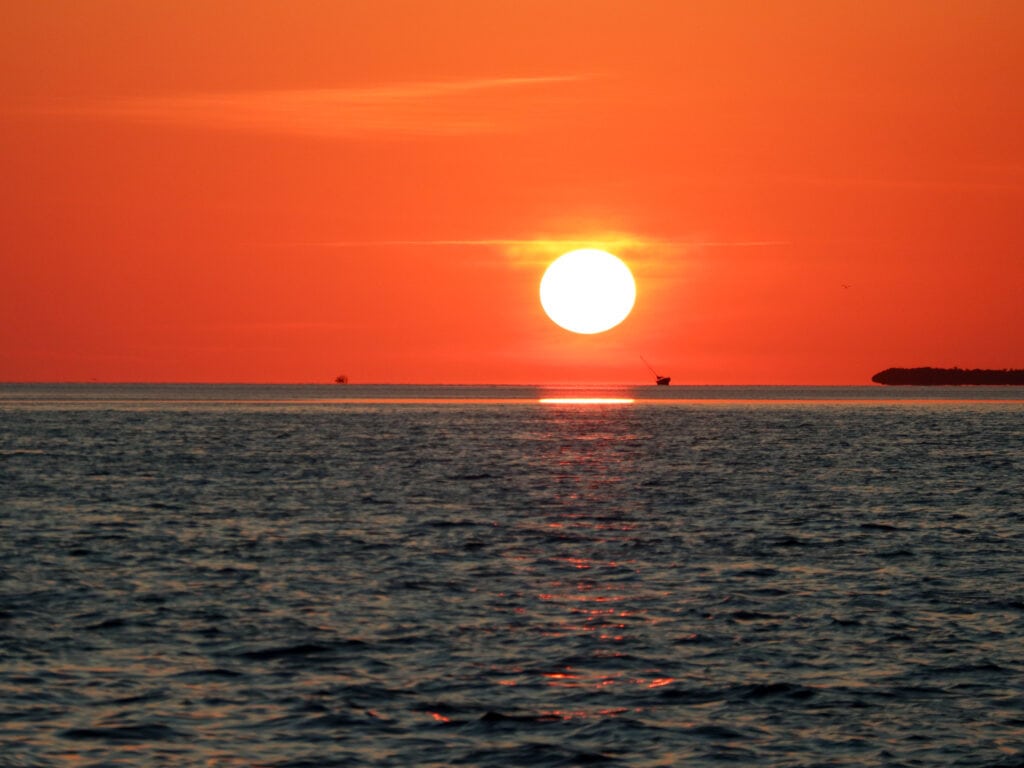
(560, 675)
(586, 400)
(661, 682)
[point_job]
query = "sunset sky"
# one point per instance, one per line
(806, 191)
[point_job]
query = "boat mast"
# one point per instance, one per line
(649, 367)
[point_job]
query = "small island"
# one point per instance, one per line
(938, 377)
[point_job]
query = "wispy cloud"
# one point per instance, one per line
(541, 243)
(539, 251)
(408, 109)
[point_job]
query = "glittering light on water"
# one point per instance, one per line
(586, 400)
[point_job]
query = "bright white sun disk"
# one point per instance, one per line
(587, 291)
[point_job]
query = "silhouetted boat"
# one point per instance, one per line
(661, 381)
(341, 379)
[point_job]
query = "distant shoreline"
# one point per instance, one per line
(937, 377)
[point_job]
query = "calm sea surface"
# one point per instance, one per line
(503, 576)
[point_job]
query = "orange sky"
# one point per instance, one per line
(284, 191)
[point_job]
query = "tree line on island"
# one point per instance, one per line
(948, 376)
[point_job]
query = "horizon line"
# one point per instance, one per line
(416, 384)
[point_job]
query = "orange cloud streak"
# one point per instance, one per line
(449, 108)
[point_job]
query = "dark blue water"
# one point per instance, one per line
(348, 576)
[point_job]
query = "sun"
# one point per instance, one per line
(587, 291)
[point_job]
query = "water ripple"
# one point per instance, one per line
(790, 585)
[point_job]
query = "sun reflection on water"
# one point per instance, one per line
(586, 400)
(600, 603)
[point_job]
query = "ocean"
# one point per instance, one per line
(286, 576)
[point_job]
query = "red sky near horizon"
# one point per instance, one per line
(806, 192)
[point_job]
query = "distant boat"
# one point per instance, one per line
(341, 379)
(661, 381)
